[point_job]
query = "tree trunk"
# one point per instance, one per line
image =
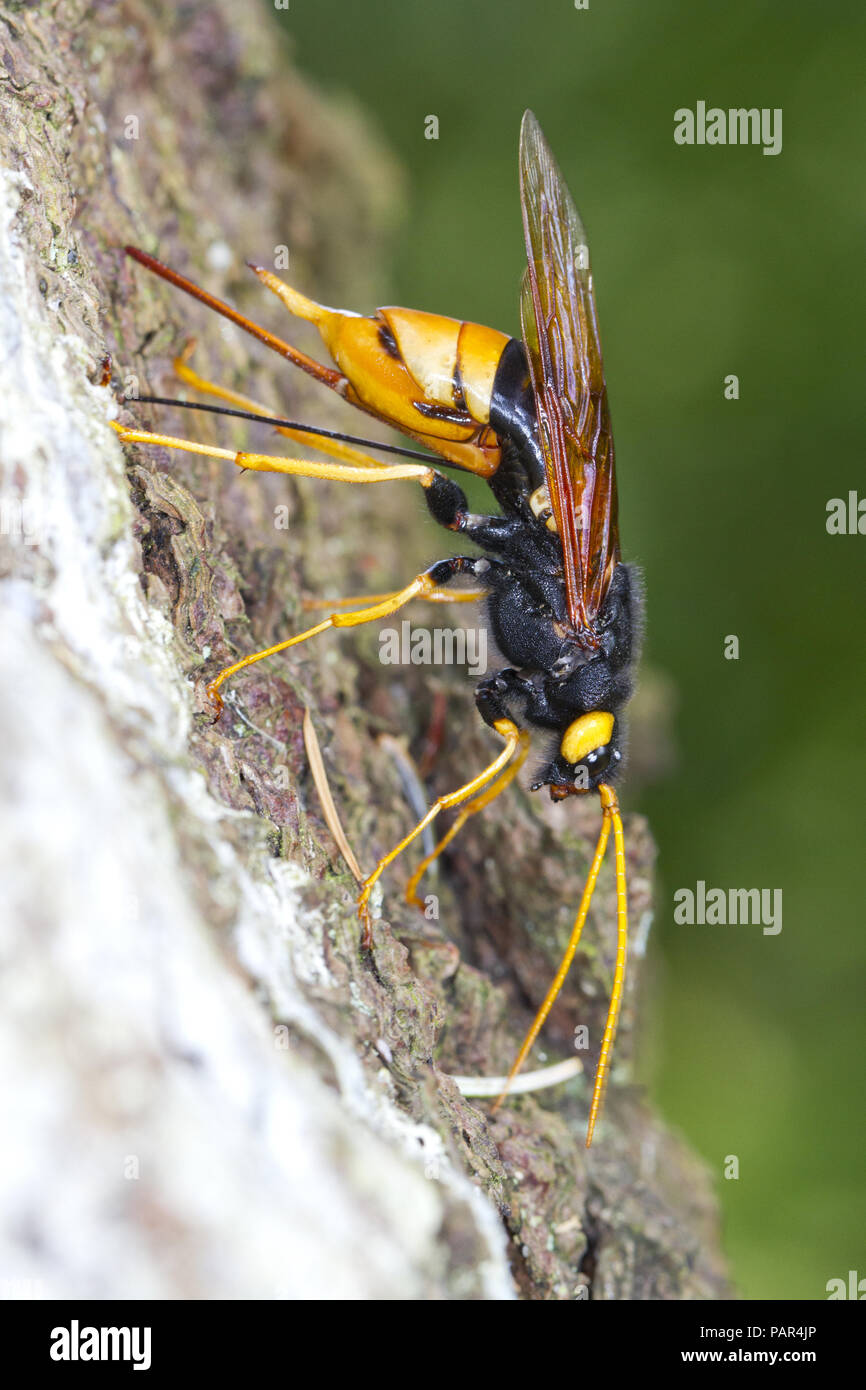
(214, 1092)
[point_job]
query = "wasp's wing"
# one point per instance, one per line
(560, 331)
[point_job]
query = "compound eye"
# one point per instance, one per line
(601, 759)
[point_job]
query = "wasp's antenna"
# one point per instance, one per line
(610, 807)
(611, 817)
(565, 964)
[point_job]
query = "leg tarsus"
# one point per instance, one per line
(478, 803)
(335, 448)
(423, 585)
(513, 741)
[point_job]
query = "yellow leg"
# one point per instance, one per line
(513, 741)
(369, 472)
(435, 596)
(210, 388)
(335, 447)
(610, 816)
(420, 587)
(470, 809)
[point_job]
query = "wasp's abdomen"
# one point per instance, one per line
(453, 362)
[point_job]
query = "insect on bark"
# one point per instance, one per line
(531, 418)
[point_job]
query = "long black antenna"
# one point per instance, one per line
(288, 424)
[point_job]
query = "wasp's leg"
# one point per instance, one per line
(472, 807)
(499, 692)
(443, 494)
(336, 448)
(435, 596)
(446, 500)
(426, 585)
(513, 742)
(449, 506)
(191, 377)
(494, 694)
(370, 471)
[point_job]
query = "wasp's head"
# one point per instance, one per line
(588, 755)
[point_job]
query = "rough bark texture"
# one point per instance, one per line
(212, 1091)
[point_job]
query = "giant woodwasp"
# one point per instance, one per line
(531, 418)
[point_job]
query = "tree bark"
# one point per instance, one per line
(214, 1091)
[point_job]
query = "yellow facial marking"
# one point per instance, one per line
(587, 733)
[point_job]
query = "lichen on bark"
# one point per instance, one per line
(248, 1104)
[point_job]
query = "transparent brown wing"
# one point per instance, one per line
(560, 331)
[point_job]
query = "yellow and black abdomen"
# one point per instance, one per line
(430, 376)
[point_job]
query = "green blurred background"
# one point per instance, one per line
(707, 261)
